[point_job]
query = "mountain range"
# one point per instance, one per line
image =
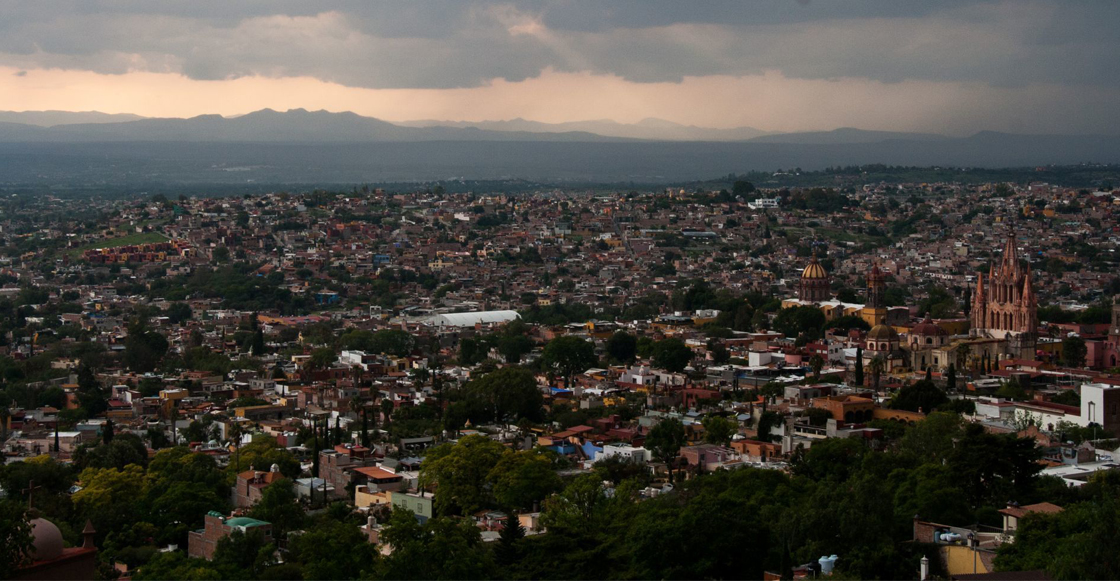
(649, 129)
(320, 147)
(267, 126)
(299, 125)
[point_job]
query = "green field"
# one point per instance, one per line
(138, 238)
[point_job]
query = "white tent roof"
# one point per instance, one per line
(473, 318)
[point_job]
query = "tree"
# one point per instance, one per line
(523, 479)
(122, 450)
(859, 366)
(107, 431)
(462, 472)
(279, 505)
(393, 342)
(1074, 351)
(256, 343)
(471, 351)
(951, 378)
(15, 536)
(333, 550)
(795, 321)
(261, 454)
(577, 506)
(321, 358)
(508, 394)
(994, 467)
(509, 541)
(144, 348)
(177, 507)
(178, 312)
(671, 354)
(665, 440)
(569, 355)
(1012, 389)
(441, 548)
(922, 396)
(816, 362)
(719, 430)
(1077, 543)
(622, 347)
(514, 347)
(877, 365)
(742, 188)
(109, 495)
(849, 322)
(932, 439)
(833, 459)
(176, 565)
(766, 422)
(243, 554)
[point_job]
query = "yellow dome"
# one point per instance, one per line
(882, 333)
(814, 271)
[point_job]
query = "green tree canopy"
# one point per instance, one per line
(921, 396)
(622, 347)
(671, 354)
(569, 355)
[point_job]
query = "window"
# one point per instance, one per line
(1092, 411)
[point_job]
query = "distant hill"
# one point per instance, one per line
(846, 135)
(649, 129)
(268, 126)
(53, 118)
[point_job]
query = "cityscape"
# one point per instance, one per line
(274, 308)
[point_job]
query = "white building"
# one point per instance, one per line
(625, 452)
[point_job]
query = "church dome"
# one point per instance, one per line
(814, 271)
(47, 540)
(928, 328)
(882, 333)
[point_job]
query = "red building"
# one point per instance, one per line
(202, 544)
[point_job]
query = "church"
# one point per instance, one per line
(815, 290)
(1003, 319)
(1006, 307)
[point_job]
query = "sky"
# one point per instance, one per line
(945, 66)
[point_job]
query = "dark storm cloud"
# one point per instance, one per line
(463, 44)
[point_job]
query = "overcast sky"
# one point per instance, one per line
(1029, 66)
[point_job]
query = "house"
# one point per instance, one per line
(707, 456)
(251, 484)
(420, 504)
(756, 450)
(201, 544)
(1014, 512)
(377, 478)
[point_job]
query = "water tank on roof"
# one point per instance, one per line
(827, 564)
